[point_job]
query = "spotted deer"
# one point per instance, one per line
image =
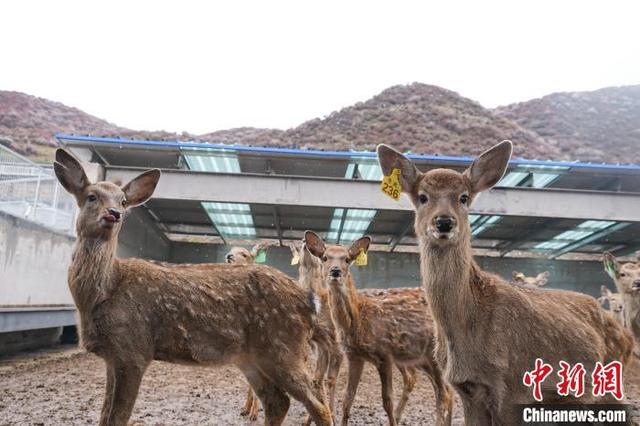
(538, 281)
(626, 276)
(243, 256)
(489, 332)
(393, 329)
(614, 302)
(132, 311)
(328, 353)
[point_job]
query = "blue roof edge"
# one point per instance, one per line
(339, 154)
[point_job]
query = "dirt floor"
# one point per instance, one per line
(65, 386)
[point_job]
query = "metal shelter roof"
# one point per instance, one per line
(254, 214)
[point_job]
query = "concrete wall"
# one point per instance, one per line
(402, 269)
(33, 263)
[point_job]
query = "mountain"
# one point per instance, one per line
(590, 126)
(419, 118)
(602, 126)
(28, 123)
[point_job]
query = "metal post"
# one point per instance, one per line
(35, 198)
(54, 214)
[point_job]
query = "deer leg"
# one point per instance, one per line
(126, 383)
(108, 395)
(444, 396)
(295, 381)
(408, 383)
(385, 371)
(335, 361)
(275, 401)
(251, 406)
(355, 373)
(255, 408)
(322, 363)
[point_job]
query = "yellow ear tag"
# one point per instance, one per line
(391, 185)
(361, 260)
(295, 259)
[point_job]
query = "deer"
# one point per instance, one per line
(614, 302)
(132, 312)
(243, 256)
(539, 280)
(626, 276)
(393, 329)
(485, 341)
(328, 352)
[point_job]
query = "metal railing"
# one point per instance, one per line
(32, 192)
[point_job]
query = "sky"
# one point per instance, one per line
(201, 66)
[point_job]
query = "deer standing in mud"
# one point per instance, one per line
(489, 332)
(614, 302)
(242, 256)
(132, 311)
(394, 329)
(328, 353)
(626, 276)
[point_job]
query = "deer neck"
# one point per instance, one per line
(345, 308)
(449, 274)
(91, 271)
(310, 274)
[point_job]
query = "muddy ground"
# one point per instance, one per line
(65, 385)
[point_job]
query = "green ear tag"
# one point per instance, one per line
(261, 257)
(611, 271)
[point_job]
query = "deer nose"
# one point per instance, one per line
(335, 272)
(115, 213)
(444, 224)
(229, 257)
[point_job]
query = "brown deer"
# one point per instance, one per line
(243, 256)
(393, 328)
(328, 351)
(626, 276)
(489, 332)
(132, 311)
(539, 280)
(614, 303)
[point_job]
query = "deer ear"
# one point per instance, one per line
(314, 243)
(141, 188)
(514, 275)
(390, 159)
(70, 173)
(542, 278)
(610, 265)
(489, 167)
(605, 291)
(359, 244)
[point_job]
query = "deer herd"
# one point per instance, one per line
(470, 332)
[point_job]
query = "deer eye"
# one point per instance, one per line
(324, 258)
(464, 198)
(622, 274)
(124, 203)
(423, 198)
(92, 198)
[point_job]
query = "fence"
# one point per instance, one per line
(31, 191)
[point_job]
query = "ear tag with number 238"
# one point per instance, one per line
(391, 184)
(361, 260)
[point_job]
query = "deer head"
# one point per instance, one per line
(615, 300)
(335, 259)
(539, 280)
(242, 256)
(442, 197)
(625, 275)
(103, 204)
